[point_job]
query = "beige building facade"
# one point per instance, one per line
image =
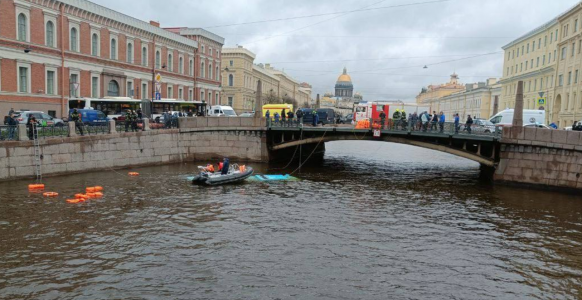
(480, 100)
(240, 76)
(434, 92)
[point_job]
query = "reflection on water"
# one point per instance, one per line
(372, 221)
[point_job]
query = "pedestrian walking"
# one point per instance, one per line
(290, 116)
(442, 122)
(78, 119)
(276, 118)
(469, 123)
(457, 125)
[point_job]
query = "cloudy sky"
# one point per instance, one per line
(384, 45)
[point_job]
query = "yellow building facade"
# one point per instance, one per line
(557, 46)
(240, 76)
(477, 100)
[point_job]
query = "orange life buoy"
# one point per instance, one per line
(90, 195)
(73, 200)
(81, 196)
(90, 190)
(36, 186)
(98, 194)
(133, 174)
(50, 194)
(98, 188)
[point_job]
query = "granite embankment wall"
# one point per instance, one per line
(119, 150)
(540, 157)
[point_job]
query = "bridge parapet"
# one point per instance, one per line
(541, 157)
(222, 122)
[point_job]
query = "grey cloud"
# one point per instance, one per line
(501, 20)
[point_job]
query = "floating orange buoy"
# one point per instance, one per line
(73, 200)
(90, 190)
(81, 196)
(33, 187)
(50, 194)
(98, 188)
(90, 195)
(133, 174)
(98, 195)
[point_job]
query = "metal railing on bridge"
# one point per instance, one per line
(447, 128)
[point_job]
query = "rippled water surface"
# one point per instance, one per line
(372, 221)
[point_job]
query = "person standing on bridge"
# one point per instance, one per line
(403, 119)
(469, 123)
(442, 122)
(424, 121)
(457, 125)
(315, 118)
(283, 116)
(382, 119)
(290, 116)
(299, 115)
(434, 120)
(276, 118)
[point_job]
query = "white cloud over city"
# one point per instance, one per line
(383, 49)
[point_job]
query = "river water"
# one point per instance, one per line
(372, 221)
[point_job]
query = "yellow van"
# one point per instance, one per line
(273, 108)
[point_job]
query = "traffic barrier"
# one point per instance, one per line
(50, 194)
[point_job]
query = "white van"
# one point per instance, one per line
(221, 111)
(530, 116)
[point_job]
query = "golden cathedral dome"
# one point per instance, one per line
(344, 77)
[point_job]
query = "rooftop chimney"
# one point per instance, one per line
(154, 23)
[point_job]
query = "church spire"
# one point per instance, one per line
(345, 71)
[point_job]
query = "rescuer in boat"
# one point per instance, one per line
(225, 166)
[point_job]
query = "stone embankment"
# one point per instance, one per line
(241, 139)
(541, 157)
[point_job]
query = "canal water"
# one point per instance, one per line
(372, 221)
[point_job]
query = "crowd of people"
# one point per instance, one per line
(288, 117)
(577, 126)
(423, 122)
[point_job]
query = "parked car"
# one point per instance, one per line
(91, 117)
(537, 125)
(43, 118)
(221, 111)
(249, 114)
(347, 119)
(326, 116)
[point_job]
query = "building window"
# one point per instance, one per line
(551, 37)
(202, 96)
(563, 53)
(50, 82)
(95, 45)
(216, 98)
(129, 53)
(526, 65)
(544, 60)
(202, 70)
(231, 63)
(180, 94)
(203, 49)
(560, 80)
(170, 92)
(573, 49)
(144, 90)
(230, 101)
(539, 43)
(95, 87)
(217, 74)
(190, 95)
(191, 68)
(210, 71)
(170, 63)
(158, 59)
(576, 25)
(22, 28)
(74, 39)
(230, 80)
(144, 56)
(129, 89)
(527, 48)
(210, 97)
(74, 85)
(537, 62)
(113, 49)
(113, 89)
(555, 55)
(50, 34)
(181, 65)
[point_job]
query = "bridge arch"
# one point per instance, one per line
(471, 151)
